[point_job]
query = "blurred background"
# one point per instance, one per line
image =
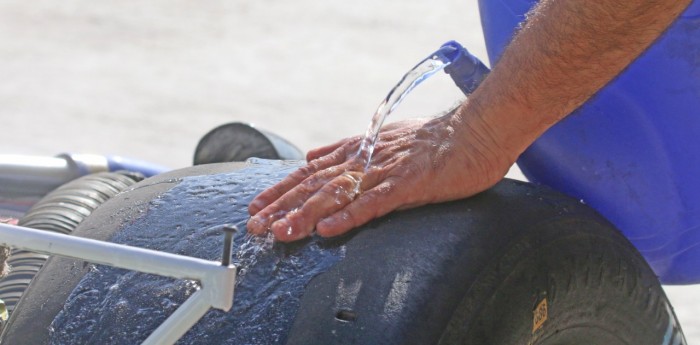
(147, 80)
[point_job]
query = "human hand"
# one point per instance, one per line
(415, 162)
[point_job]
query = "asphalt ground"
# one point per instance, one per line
(147, 79)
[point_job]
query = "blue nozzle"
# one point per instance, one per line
(450, 51)
(465, 69)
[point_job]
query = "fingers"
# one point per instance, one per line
(374, 203)
(320, 195)
(322, 151)
(325, 150)
(275, 192)
(321, 158)
(331, 198)
(285, 197)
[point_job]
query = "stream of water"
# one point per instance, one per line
(422, 71)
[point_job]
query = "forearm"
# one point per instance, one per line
(565, 53)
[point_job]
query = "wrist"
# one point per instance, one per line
(483, 143)
(498, 128)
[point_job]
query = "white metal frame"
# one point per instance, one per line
(216, 280)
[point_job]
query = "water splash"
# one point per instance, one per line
(113, 306)
(248, 252)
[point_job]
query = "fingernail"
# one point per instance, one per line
(283, 230)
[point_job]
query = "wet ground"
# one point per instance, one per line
(147, 80)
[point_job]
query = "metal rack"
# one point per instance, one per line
(216, 279)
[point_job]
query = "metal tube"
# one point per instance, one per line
(180, 321)
(22, 176)
(106, 253)
(35, 176)
(218, 282)
(228, 240)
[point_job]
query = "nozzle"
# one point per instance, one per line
(465, 69)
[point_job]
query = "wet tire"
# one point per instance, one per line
(59, 211)
(565, 282)
(517, 264)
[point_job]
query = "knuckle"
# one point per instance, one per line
(352, 217)
(369, 204)
(275, 192)
(304, 171)
(336, 155)
(309, 169)
(330, 171)
(306, 189)
(353, 140)
(411, 171)
(349, 146)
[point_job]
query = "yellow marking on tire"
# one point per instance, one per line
(539, 315)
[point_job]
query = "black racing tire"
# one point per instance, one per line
(565, 282)
(472, 271)
(521, 265)
(59, 211)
